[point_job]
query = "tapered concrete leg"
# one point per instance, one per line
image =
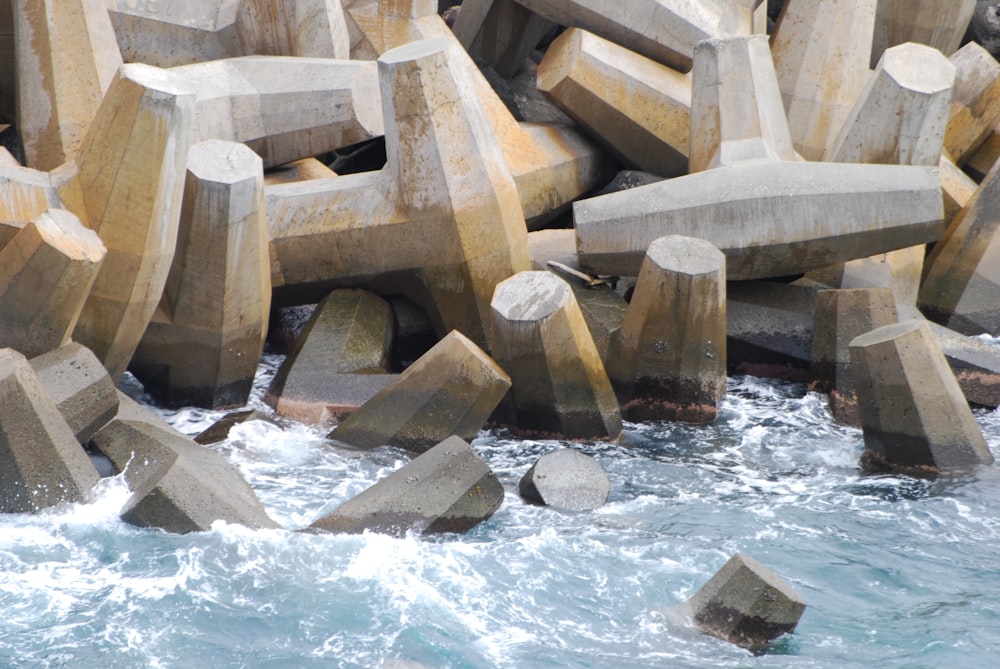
(66, 59)
(842, 315)
(914, 417)
(560, 386)
(975, 103)
(80, 386)
(769, 329)
(669, 359)
(202, 345)
(638, 108)
(736, 107)
(821, 50)
(940, 25)
(46, 272)
(132, 175)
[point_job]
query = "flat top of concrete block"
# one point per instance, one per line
(155, 78)
(688, 255)
(889, 332)
(919, 68)
(530, 296)
(416, 50)
(221, 161)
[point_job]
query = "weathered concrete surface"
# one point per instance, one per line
(961, 288)
(638, 109)
(937, 24)
(131, 172)
(297, 170)
(975, 363)
(736, 107)
(769, 329)
(560, 386)
(821, 50)
(177, 485)
(376, 26)
(567, 480)
(747, 604)
(840, 316)
(26, 194)
(80, 386)
(899, 271)
(770, 219)
(957, 188)
(348, 334)
(167, 34)
(977, 165)
(285, 108)
(975, 103)
(505, 35)
(66, 60)
(450, 390)
(441, 223)
(41, 463)
(447, 489)
(46, 272)
(913, 414)
(668, 361)
(203, 343)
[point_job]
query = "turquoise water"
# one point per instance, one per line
(896, 572)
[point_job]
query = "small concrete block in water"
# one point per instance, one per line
(913, 414)
(566, 480)
(450, 390)
(41, 462)
(747, 604)
(447, 489)
(668, 361)
(46, 272)
(80, 386)
(975, 102)
(540, 337)
(219, 430)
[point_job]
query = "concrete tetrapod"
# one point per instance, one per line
(567, 480)
(941, 25)
(975, 102)
(913, 414)
(501, 32)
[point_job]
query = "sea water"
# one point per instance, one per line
(896, 572)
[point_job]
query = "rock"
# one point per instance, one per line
(566, 480)
(219, 430)
(446, 489)
(984, 26)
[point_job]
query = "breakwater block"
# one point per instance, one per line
(769, 329)
(449, 488)
(567, 480)
(450, 390)
(974, 103)
(668, 361)
(41, 462)
(941, 26)
(219, 430)
(913, 414)
(560, 386)
(80, 386)
(500, 32)
(747, 604)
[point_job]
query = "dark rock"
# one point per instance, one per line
(219, 431)
(984, 28)
(567, 480)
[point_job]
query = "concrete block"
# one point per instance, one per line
(80, 386)
(747, 604)
(8, 62)
(957, 188)
(821, 50)
(961, 287)
(46, 272)
(736, 107)
(979, 162)
(298, 170)
(505, 36)
(975, 363)
(899, 271)
(376, 26)
(769, 329)
(41, 463)
(975, 103)
(219, 430)
(668, 361)
(348, 335)
(203, 343)
(940, 25)
(637, 108)
(449, 488)
(770, 219)
(131, 167)
(567, 480)
(177, 485)
(66, 60)
(450, 390)
(913, 414)
(560, 386)
(840, 316)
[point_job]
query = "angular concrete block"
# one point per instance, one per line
(821, 50)
(505, 36)
(348, 334)
(80, 386)
(131, 167)
(940, 25)
(297, 170)
(975, 363)
(26, 194)
(638, 109)
(177, 485)
(770, 219)
(450, 390)
(66, 60)
(840, 316)
(747, 604)
(975, 103)
(668, 361)
(377, 26)
(899, 271)
(203, 344)
(957, 188)
(219, 430)
(449, 488)
(736, 108)
(560, 386)
(46, 272)
(41, 463)
(566, 480)
(769, 329)
(913, 414)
